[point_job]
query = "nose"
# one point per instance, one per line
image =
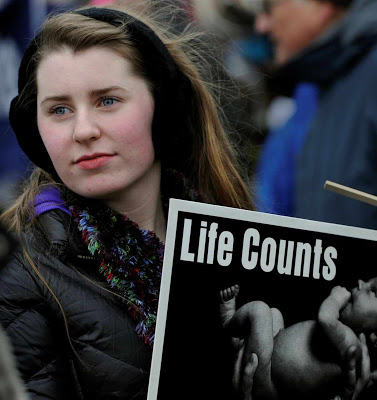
(85, 127)
(360, 284)
(262, 23)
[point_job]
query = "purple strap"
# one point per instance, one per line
(49, 199)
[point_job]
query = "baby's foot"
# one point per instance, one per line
(228, 303)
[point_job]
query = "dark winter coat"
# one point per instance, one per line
(341, 143)
(109, 361)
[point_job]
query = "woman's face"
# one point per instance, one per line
(95, 119)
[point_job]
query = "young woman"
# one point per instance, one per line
(117, 118)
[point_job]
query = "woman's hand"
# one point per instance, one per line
(355, 385)
(243, 373)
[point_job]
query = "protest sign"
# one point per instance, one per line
(288, 263)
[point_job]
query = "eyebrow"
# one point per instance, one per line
(101, 92)
(93, 93)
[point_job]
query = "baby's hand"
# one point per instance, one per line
(329, 311)
(341, 296)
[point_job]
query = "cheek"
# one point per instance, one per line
(47, 132)
(290, 30)
(135, 133)
(53, 139)
(138, 146)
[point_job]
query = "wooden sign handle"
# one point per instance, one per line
(349, 192)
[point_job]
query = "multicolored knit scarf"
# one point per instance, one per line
(130, 258)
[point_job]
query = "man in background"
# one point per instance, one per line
(326, 53)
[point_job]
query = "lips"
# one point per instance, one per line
(92, 156)
(93, 161)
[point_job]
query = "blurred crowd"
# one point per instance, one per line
(308, 68)
(306, 107)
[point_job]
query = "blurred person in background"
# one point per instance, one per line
(326, 54)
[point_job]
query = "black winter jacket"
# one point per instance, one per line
(109, 361)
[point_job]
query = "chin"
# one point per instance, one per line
(284, 55)
(95, 193)
(281, 58)
(101, 195)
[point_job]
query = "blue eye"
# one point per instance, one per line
(60, 110)
(108, 101)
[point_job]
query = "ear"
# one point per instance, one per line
(329, 12)
(373, 339)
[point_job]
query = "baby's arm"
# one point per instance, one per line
(340, 335)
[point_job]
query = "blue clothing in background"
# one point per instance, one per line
(256, 48)
(276, 168)
(341, 143)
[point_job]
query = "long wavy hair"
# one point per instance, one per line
(212, 165)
